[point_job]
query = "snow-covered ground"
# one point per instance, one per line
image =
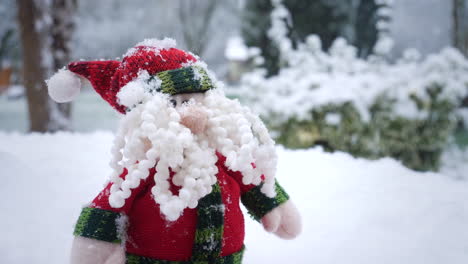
(354, 210)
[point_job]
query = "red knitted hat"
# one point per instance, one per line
(108, 77)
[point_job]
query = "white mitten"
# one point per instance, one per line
(92, 251)
(284, 221)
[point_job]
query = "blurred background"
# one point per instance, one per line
(368, 100)
(373, 78)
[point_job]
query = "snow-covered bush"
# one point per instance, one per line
(369, 108)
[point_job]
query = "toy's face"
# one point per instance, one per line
(179, 100)
(192, 114)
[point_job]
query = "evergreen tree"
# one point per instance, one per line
(328, 19)
(255, 24)
(366, 27)
(355, 20)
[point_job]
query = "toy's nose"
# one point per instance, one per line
(195, 118)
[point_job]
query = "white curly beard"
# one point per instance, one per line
(150, 135)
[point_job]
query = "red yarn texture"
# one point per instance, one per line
(150, 235)
(107, 77)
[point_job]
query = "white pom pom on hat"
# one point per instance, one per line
(64, 86)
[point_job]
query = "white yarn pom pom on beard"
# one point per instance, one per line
(243, 139)
(174, 147)
(195, 156)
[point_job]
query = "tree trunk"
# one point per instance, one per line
(45, 36)
(460, 25)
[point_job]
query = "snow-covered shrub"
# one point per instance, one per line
(370, 108)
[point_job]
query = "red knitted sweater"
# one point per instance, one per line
(150, 235)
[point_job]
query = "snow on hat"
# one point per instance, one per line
(151, 66)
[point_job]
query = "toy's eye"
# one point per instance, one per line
(173, 102)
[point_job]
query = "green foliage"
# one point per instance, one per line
(461, 137)
(417, 142)
(326, 19)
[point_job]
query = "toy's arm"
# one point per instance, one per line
(101, 229)
(278, 215)
(91, 251)
(98, 236)
(284, 221)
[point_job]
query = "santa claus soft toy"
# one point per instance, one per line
(183, 158)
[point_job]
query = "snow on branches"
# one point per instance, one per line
(312, 77)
